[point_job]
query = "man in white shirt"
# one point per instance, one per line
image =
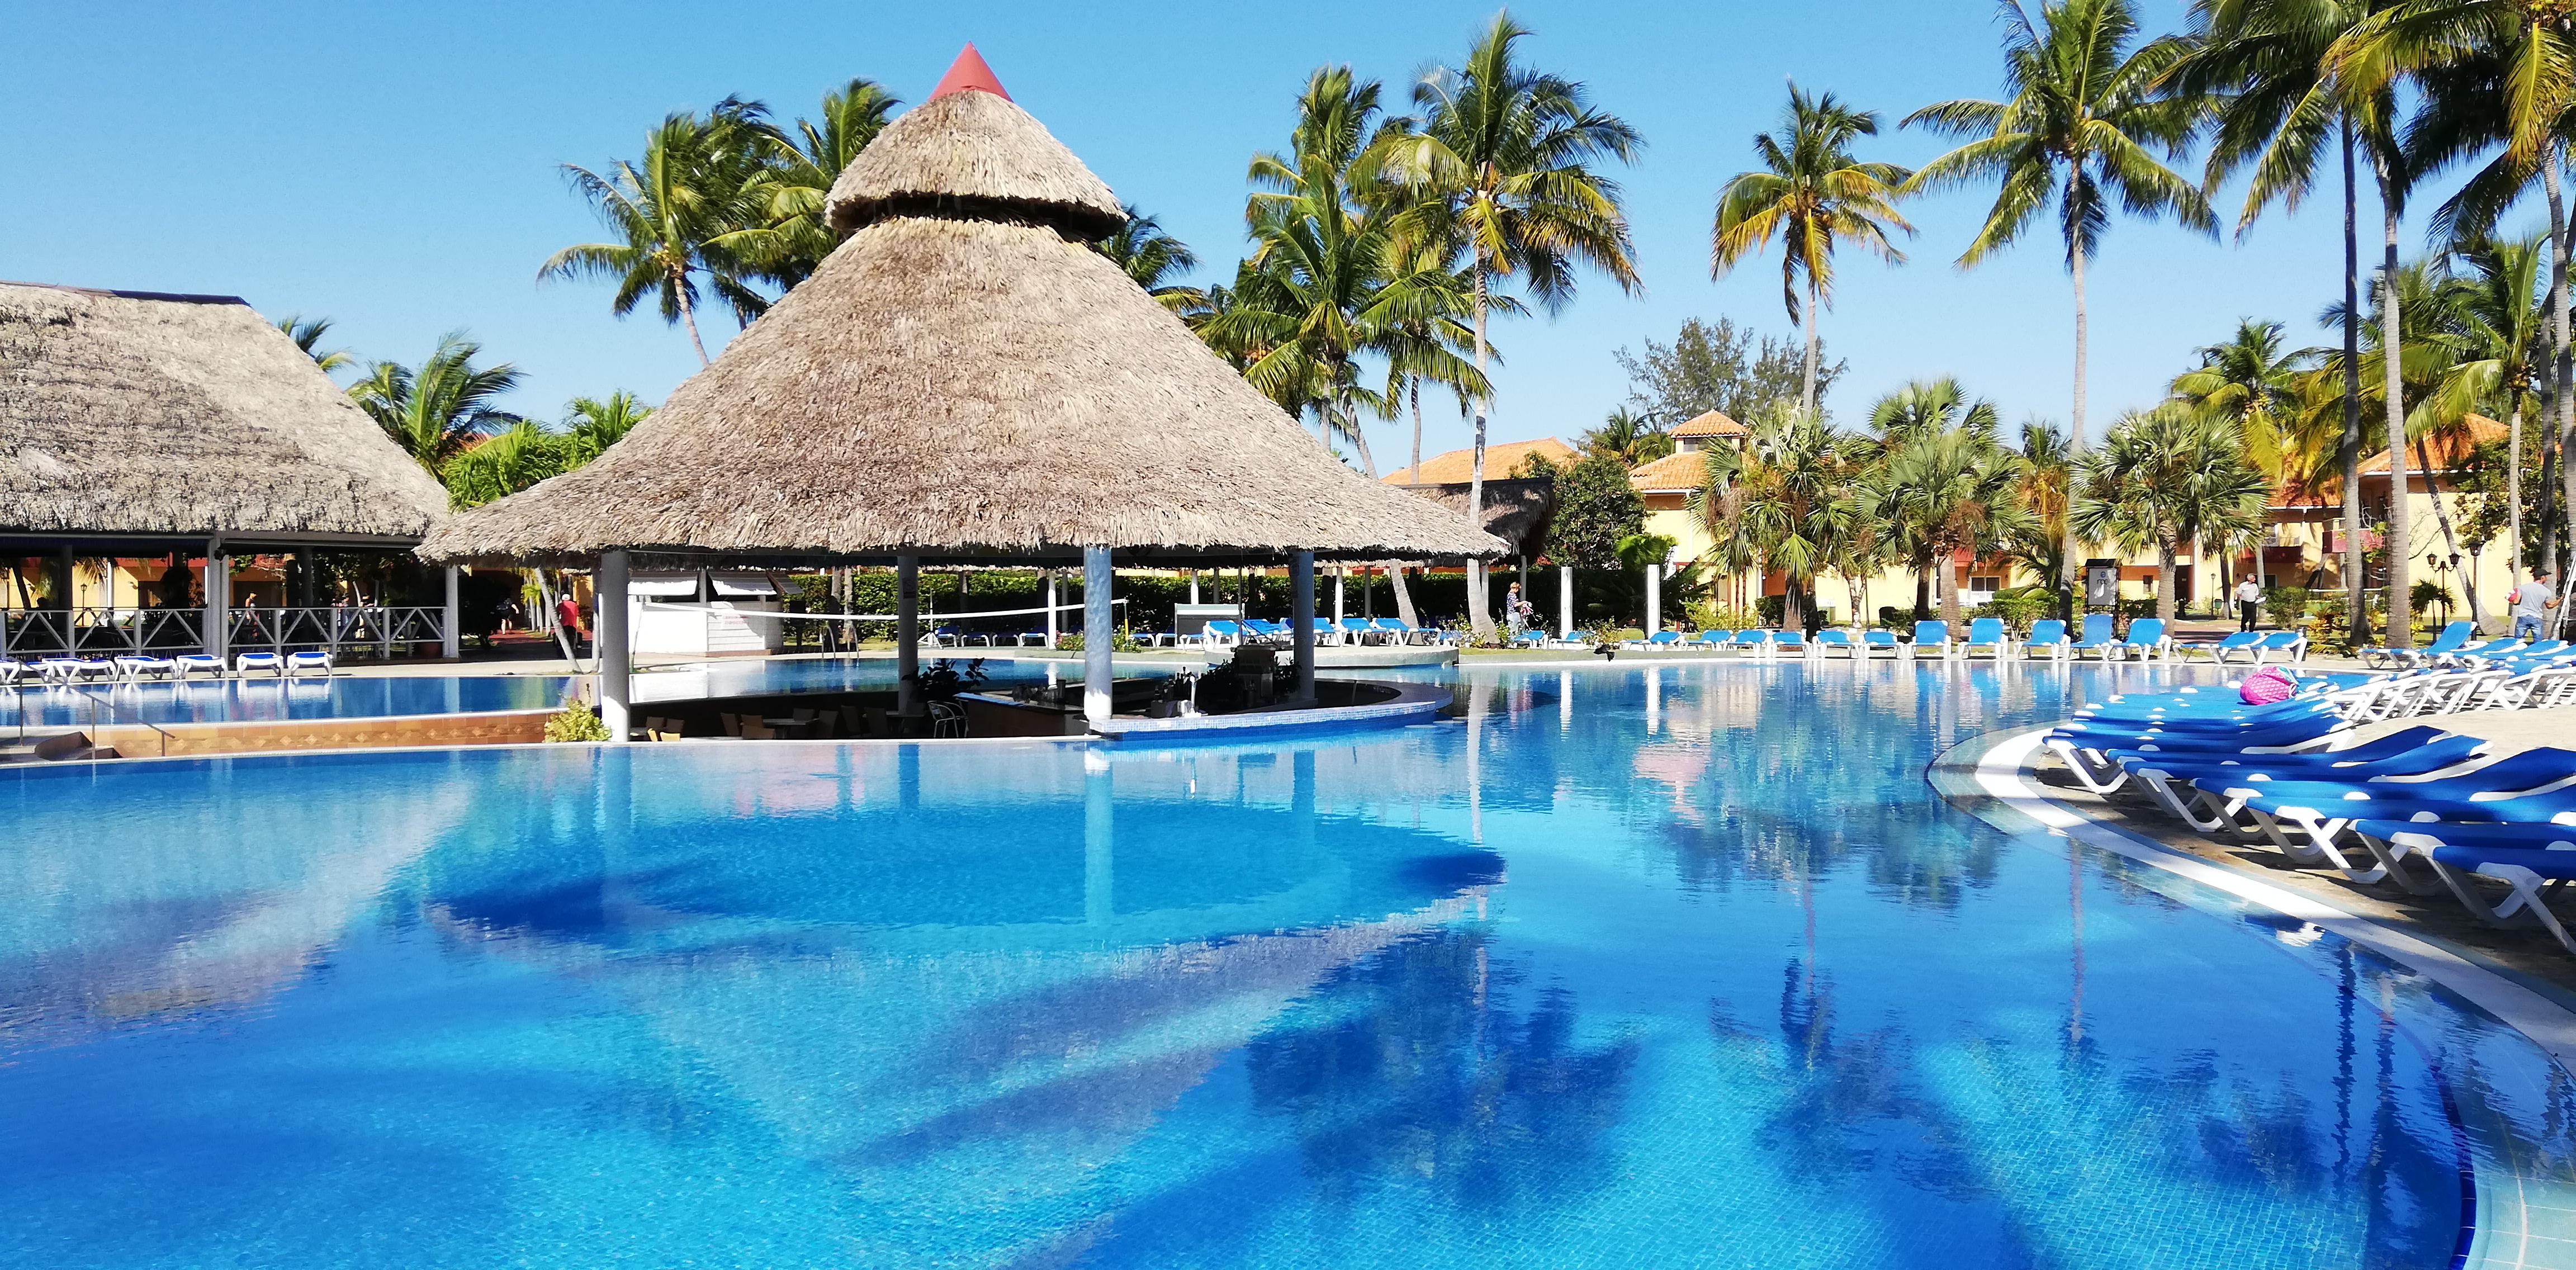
(2249, 603)
(2531, 601)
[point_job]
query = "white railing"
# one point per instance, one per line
(106, 632)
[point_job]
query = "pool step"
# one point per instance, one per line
(53, 747)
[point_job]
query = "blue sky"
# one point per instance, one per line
(395, 168)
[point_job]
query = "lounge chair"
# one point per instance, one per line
(1660, 639)
(2046, 635)
(1357, 630)
(2531, 860)
(2472, 654)
(1834, 639)
(2168, 777)
(1792, 641)
(309, 661)
(1578, 639)
(190, 663)
(69, 670)
(2099, 637)
(2145, 640)
(2283, 646)
(2240, 642)
(2529, 786)
(1874, 642)
(133, 668)
(1988, 633)
(1400, 631)
(11, 671)
(2454, 637)
(1752, 643)
(1934, 636)
(244, 663)
(1714, 638)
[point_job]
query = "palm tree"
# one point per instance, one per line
(1812, 196)
(1153, 257)
(2078, 132)
(308, 334)
(1504, 161)
(2505, 324)
(2281, 107)
(2166, 478)
(676, 216)
(1782, 505)
(503, 463)
(1956, 490)
(1628, 436)
(2038, 543)
(439, 410)
(1918, 412)
(593, 424)
(789, 189)
(2249, 378)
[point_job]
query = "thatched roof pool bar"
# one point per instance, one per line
(964, 380)
(140, 423)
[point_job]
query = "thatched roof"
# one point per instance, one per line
(128, 412)
(969, 150)
(1517, 510)
(962, 380)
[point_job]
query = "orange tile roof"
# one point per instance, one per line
(1712, 424)
(1675, 471)
(2451, 452)
(1457, 467)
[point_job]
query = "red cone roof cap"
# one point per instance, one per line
(969, 74)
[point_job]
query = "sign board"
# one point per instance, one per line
(2101, 584)
(1190, 619)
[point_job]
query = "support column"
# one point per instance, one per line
(451, 641)
(1654, 597)
(1301, 618)
(1564, 601)
(1050, 607)
(610, 642)
(907, 637)
(1097, 632)
(67, 583)
(1339, 575)
(219, 601)
(1194, 586)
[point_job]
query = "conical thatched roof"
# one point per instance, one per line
(140, 413)
(966, 378)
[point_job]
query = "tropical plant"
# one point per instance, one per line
(1783, 504)
(788, 192)
(678, 216)
(1629, 437)
(1956, 491)
(523, 454)
(592, 424)
(1596, 509)
(1504, 160)
(2079, 132)
(1918, 413)
(2505, 329)
(308, 334)
(438, 410)
(2038, 543)
(1813, 196)
(1153, 258)
(2164, 479)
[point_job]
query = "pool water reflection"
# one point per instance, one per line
(1682, 966)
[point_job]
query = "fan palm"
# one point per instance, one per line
(1813, 196)
(1153, 258)
(677, 215)
(1782, 506)
(435, 412)
(2079, 132)
(1957, 491)
(308, 334)
(1919, 411)
(1504, 160)
(2165, 479)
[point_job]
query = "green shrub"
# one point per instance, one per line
(2286, 606)
(1767, 610)
(576, 722)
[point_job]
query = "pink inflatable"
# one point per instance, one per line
(2268, 685)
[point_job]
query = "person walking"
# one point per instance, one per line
(2531, 604)
(1513, 608)
(2249, 604)
(568, 616)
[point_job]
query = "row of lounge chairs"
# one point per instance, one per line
(64, 671)
(1226, 633)
(2454, 646)
(1988, 636)
(2422, 808)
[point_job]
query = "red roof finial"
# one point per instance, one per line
(969, 73)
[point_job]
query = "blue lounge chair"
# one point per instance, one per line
(2491, 650)
(2098, 637)
(2453, 638)
(2285, 646)
(1875, 641)
(1793, 641)
(244, 663)
(2168, 777)
(1990, 634)
(2529, 786)
(2146, 639)
(1660, 639)
(2240, 642)
(1221, 632)
(2049, 635)
(1715, 638)
(1399, 630)
(134, 668)
(1356, 630)
(191, 663)
(2531, 860)
(1752, 643)
(1834, 639)
(1577, 639)
(1932, 635)
(308, 662)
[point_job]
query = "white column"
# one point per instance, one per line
(610, 584)
(1194, 586)
(1564, 601)
(1301, 616)
(219, 600)
(1339, 574)
(1050, 607)
(907, 637)
(1654, 597)
(451, 642)
(1097, 631)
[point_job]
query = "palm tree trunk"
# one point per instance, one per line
(1480, 617)
(2359, 626)
(1923, 590)
(2450, 537)
(2401, 622)
(688, 313)
(2067, 575)
(1807, 391)
(2165, 581)
(1368, 465)
(1947, 575)
(1395, 574)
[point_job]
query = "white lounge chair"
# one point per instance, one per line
(309, 661)
(186, 664)
(245, 663)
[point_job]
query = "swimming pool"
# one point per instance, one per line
(1637, 967)
(351, 696)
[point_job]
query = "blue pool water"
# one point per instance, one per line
(349, 697)
(1681, 967)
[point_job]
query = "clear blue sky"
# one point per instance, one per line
(394, 168)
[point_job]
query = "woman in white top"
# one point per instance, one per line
(2249, 603)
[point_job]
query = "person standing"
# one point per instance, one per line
(2249, 604)
(1513, 608)
(568, 616)
(2531, 603)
